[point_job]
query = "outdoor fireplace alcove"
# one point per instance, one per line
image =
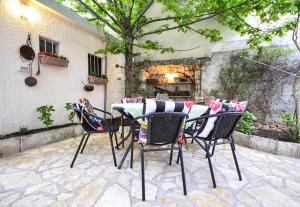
(179, 78)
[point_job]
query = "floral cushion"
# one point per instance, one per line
(152, 106)
(93, 120)
(219, 106)
(132, 100)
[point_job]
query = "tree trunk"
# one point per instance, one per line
(128, 71)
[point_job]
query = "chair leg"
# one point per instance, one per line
(231, 137)
(77, 151)
(131, 157)
(210, 165)
(208, 148)
(182, 171)
(143, 173)
(125, 155)
(171, 154)
(123, 136)
(235, 160)
(214, 146)
(192, 142)
(112, 148)
(86, 140)
(177, 161)
(116, 139)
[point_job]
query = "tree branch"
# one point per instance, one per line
(295, 31)
(177, 27)
(191, 15)
(142, 13)
(108, 14)
(131, 8)
(99, 17)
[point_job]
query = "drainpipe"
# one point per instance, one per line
(105, 86)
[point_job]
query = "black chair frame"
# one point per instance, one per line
(152, 143)
(212, 139)
(88, 128)
(126, 117)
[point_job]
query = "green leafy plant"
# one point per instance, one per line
(70, 112)
(104, 76)
(23, 130)
(45, 112)
(246, 124)
(293, 126)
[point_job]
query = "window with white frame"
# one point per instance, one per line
(48, 45)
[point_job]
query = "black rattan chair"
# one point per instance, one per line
(88, 128)
(223, 128)
(163, 129)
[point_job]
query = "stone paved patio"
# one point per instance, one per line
(42, 177)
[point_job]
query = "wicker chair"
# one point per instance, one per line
(223, 128)
(163, 129)
(89, 129)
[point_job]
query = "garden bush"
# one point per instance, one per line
(246, 125)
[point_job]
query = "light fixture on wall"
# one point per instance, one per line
(171, 77)
(27, 12)
(23, 10)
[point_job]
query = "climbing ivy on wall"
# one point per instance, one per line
(241, 78)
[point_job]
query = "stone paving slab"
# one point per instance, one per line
(42, 177)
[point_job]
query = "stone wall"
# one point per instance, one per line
(268, 95)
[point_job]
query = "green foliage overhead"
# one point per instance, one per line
(128, 23)
(128, 20)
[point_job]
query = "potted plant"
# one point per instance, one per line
(97, 79)
(50, 58)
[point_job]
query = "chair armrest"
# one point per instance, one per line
(106, 112)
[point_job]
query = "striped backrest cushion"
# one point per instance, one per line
(152, 106)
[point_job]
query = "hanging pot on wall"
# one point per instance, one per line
(30, 81)
(88, 87)
(28, 54)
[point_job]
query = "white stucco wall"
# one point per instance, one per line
(56, 85)
(183, 41)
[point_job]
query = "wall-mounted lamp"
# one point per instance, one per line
(22, 9)
(27, 12)
(171, 77)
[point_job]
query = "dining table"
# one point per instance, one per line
(136, 109)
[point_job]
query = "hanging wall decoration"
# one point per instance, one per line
(28, 54)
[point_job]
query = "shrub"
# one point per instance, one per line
(23, 130)
(45, 112)
(293, 127)
(70, 112)
(246, 124)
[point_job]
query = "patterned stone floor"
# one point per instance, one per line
(42, 177)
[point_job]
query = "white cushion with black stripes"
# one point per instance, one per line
(152, 106)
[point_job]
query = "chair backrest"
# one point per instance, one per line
(225, 124)
(85, 119)
(164, 128)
